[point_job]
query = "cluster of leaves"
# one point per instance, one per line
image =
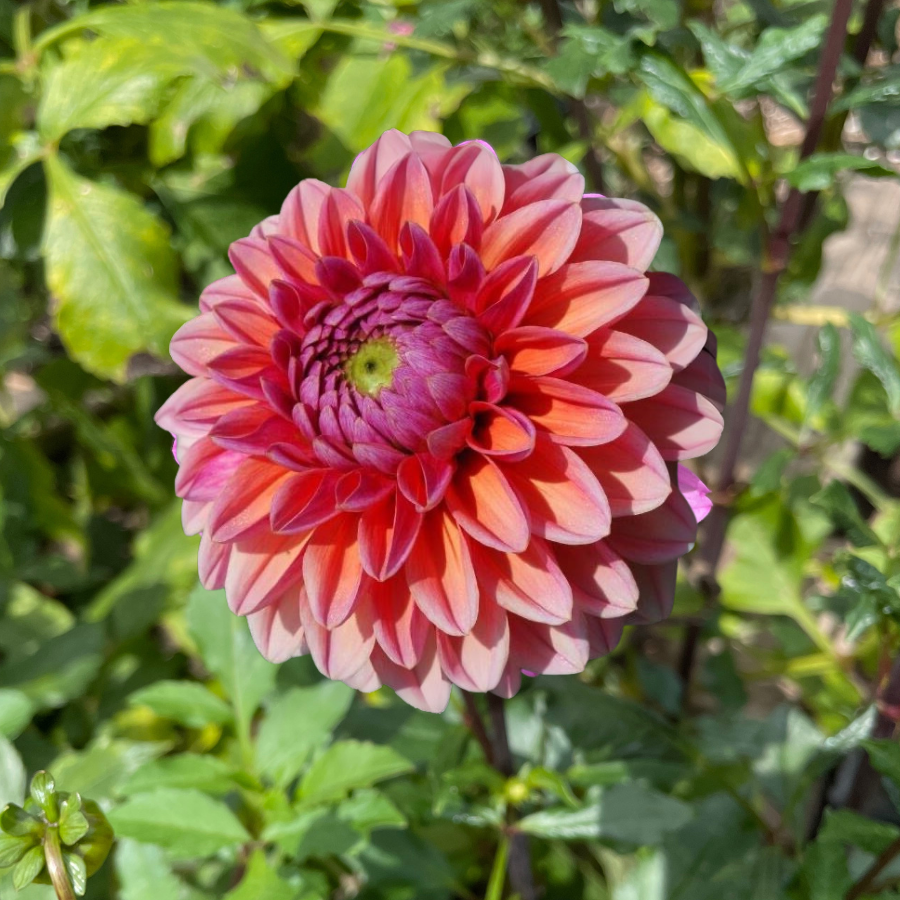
(136, 142)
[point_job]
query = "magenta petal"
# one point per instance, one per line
(695, 492)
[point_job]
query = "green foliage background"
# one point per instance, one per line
(136, 142)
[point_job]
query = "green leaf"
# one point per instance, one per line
(184, 821)
(347, 765)
(42, 789)
(77, 872)
(872, 355)
(838, 503)
(211, 109)
(186, 770)
(60, 669)
(19, 148)
(776, 48)
(368, 809)
(261, 882)
(186, 702)
(671, 87)
(821, 384)
(101, 768)
(12, 849)
(143, 874)
(229, 652)
(589, 52)
(365, 96)
(12, 774)
(885, 756)
(818, 172)
(112, 271)
(849, 827)
(73, 824)
(107, 81)
(626, 813)
(28, 868)
(226, 40)
(296, 724)
(15, 712)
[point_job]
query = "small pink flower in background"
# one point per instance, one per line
(435, 421)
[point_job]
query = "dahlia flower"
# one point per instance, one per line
(433, 430)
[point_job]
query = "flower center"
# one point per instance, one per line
(371, 368)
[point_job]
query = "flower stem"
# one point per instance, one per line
(775, 260)
(496, 750)
(864, 885)
(56, 867)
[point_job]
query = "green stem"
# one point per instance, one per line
(56, 866)
(22, 32)
(498, 871)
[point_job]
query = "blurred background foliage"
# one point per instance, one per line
(744, 749)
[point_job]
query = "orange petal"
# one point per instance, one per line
(564, 499)
(501, 431)
(198, 342)
(474, 165)
(632, 472)
(243, 508)
(672, 327)
(476, 661)
(486, 507)
(332, 572)
(371, 166)
(570, 413)
(622, 231)
(339, 653)
(583, 296)
(682, 423)
(440, 574)
(400, 628)
(277, 630)
(546, 230)
(622, 367)
(658, 536)
(261, 569)
(550, 649)
(403, 195)
(423, 686)
(531, 350)
(601, 580)
(529, 584)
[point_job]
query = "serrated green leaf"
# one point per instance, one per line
(229, 652)
(838, 503)
(821, 384)
(144, 873)
(186, 770)
(365, 96)
(850, 827)
(885, 756)
(107, 81)
(626, 812)
(818, 172)
(112, 272)
(184, 821)
(368, 809)
(872, 355)
(296, 724)
(28, 868)
(347, 765)
(226, 39)
(186, 702)
(776, 48)
(261, 882)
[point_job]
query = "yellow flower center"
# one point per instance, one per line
(371, 368)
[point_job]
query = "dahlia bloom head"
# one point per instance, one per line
(435, 422)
